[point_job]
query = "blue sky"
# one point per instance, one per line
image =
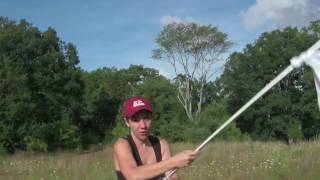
(120, 33)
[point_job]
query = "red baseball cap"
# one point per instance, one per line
(135, 104)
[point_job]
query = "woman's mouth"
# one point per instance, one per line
(144, 132)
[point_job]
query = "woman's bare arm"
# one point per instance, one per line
(166, 154)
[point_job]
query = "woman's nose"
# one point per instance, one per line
(143, 123)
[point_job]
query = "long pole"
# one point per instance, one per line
(243, 108)
(295, 62)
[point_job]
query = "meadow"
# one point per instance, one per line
(219, 160)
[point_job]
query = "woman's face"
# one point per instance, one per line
(140, 124)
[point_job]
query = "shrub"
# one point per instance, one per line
(35, 144)
(119, 130)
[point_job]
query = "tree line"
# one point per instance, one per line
(47, 102)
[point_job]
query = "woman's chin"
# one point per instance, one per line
(143, 136)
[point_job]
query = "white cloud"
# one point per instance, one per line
(281, 13)
(165, 73)
(165, 20)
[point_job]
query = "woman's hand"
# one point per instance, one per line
(185, 158)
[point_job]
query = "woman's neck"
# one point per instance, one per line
(139, 142)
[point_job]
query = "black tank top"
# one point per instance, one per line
(157, 150)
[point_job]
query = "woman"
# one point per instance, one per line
(140, 155)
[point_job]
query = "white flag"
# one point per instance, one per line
(314, 63)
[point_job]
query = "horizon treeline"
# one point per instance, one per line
(47, 102)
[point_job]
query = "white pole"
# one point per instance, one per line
(295, 63)
(243, 108)
(248, 104)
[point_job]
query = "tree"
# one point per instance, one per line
(314, 29)
(41, 87)
(169, 117)
(192, 50)
(309, 112)
(105, 91)
(281, 113)
(213, 116)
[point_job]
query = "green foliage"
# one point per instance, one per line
(105, 91)
(35, 144)
(214, 116)
(288, 111)
(3, 150)
(314, 29)
(41, 83)
(120, 129)
(173, 131)
(68, 136)
(168, 112)
(190, 38)
(49, 103)
(170, 121)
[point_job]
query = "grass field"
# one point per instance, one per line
(219, 160)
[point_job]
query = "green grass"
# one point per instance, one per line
(219, 160)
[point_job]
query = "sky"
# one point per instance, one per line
(111, 33)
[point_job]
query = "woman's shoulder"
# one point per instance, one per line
(121, 142)
(164, 143)
(165, 148)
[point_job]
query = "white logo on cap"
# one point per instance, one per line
(138, 103)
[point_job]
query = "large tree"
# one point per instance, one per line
(284, 112)
(40, 87)
(192, 50)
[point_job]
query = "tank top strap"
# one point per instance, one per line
(154, 140)
(156, 147)
(134, 149)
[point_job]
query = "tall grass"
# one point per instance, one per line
(219, 160)
(63, 165)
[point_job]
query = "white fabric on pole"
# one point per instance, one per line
(314, 63)
(295, 63)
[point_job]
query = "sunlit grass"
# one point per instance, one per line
(256, 160)
(95, 165)
(219, 160)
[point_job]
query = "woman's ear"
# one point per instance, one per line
(127, 122)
